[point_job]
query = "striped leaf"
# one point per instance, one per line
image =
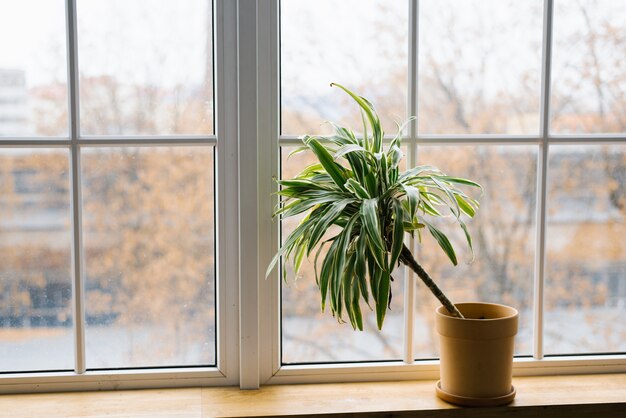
(372, 204)
(347, 149)
(369, 219)
(371, 116)
(443, 242)
(335, 170)
(382, 302)
(356, 188)
(325, 220)
(398, 234)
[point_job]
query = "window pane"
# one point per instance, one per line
(310, 336)
(586, 250)
(35, 262)
(33, 69)
(149, 255)
(146, 67)
(479, 66)
(589, 74)
(502, 232)
(356, 43)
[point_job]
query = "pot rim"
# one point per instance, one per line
(441, 309)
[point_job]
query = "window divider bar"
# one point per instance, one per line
(268, 169)
(478, 139)
(546, 70)
(226, 193)
(539, 268)
(248, 147)
(274, 9)
(146, 140)
(78, 293)
(285, 140)
(34, 142)
(488, 139)
(542, 177)
(409, 276)
(72, 70)
(595, 139)
(413, 65)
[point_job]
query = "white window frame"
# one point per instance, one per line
(271, 369)
(224, 144)
(247, 142)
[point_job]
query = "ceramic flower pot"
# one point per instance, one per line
(476, 354)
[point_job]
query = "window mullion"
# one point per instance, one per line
(78, 293)
(409, 275)
(268, 169)
(248, 196)
(413, 72)
(542, 175)
(226, 200)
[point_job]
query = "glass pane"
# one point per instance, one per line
(360, 44)
(503, 235)
(589, 75)
(35, 263)
(146, 67)
(586, 250)
(33, 68)
(479, 66)
(310, 336)
(149, 256)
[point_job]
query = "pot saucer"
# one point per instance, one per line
(470, 401)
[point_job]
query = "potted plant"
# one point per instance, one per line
(356, 185)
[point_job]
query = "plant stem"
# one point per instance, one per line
(407, 259)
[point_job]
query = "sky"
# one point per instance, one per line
(354, 42)
(32, 38)
(153, 41)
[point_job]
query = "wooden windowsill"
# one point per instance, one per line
(550, 396)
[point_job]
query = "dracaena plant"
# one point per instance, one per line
(357, 187)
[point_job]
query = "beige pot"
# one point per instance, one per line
(477, 354)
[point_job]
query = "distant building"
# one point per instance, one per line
(13, 103)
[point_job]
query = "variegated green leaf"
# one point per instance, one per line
(382, 302)
(356, 188)
(398, 234)
(335, 170)
(325, 220)
(370, 221)
(372, 205)
(443, 242)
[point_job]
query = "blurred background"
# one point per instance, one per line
(148, 212)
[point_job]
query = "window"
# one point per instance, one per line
(310, 61)
(524, 97)
(140, 140)
(109, 187)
